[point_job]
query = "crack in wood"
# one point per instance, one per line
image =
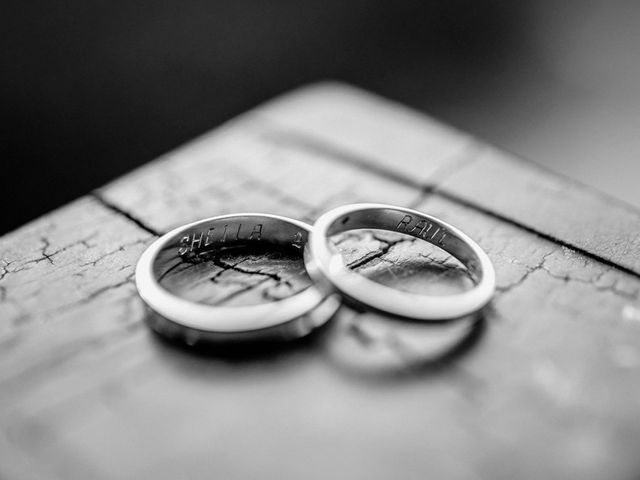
(114, 208)
(305, 141)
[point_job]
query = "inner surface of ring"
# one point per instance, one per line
(413, 225)
(238, 261)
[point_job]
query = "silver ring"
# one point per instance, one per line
(326, 265)
(288, 318)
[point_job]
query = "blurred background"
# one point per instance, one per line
(92, 89)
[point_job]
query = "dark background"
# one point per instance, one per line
(91, 89)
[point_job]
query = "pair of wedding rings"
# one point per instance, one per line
(333, 280)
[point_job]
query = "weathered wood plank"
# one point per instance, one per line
(381, 133)
(545, 386)
(66, 286)
(553, 205)
(384, 136)
(239, 170)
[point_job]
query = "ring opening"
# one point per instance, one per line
(236, 261)
(402, 262)
(413, 225)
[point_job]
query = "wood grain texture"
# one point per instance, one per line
(399, 143)
(544, 386)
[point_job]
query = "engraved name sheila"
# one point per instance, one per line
(216, 235)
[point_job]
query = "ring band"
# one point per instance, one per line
(326, 265)
(291, 317)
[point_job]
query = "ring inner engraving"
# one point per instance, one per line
(422, 228)
(216, 236)
(199, 241)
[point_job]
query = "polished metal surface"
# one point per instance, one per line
(326, 265)
(192, 322)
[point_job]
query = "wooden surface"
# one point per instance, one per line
(547, 385)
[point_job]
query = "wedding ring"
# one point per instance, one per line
(326, 265)
(173, 316)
